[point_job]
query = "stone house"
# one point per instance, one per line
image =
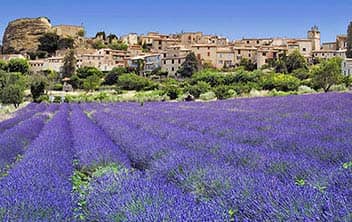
(146, 63)
(206, 53)
(173, 58)
(225, 58)
(347, 66)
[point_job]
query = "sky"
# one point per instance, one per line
(230, 18)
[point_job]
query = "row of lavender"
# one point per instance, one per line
(223, 161)
(251, 157)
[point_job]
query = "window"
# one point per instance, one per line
(160, 42)
(173, 68)
(247, 42)
(164, 62)
(208, 53)
(304, 49)
(239, 51)
(249, 55)
(258, 42)
(179, 61)
(164, 55)
(264, 53)
(208, 48)
(173, 61)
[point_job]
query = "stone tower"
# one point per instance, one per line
(314, 35)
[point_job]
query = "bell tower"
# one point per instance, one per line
(314, 35)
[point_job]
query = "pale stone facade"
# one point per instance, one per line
(347, 67)
(225, 58)
(173, 58)
(206, 53)
(130, 39)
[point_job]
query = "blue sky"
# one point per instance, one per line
(230, 18)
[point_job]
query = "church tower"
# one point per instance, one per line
(314, 35)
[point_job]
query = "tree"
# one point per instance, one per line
(3, 65)
(69, 66)
(248, 65)
(327, 74)
(18, 65)
(86, 71)
(92, 83)
(112, 77)
(49, 43)
(12, 94)
(38, 86)
(65, 43)
(12, 88)
(349, 41)
(190, 66)
(132, 81)
(294, 61)
(118, 45)
(199, 88)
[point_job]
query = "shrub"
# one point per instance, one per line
(213, 78)
(222, 92)
(199, 88)
(171, 90)
(134, 82)
(280, 82)
(37, 89)
(84, 72)
(305, 89)
(58, 87)
(207, 96)
(112, 77)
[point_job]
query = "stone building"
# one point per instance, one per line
(206, 53)
(225, 58)
(347, 67)
(130, 39)
(145, 63)
(173, 58)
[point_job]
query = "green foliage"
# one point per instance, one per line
(295, 61)
(301, 73)
(12, 87)
(248, 65)
(58, 87)
(99, 44)
(38, 85)
(12, 94)
(171, 89)
(81, 33)
(38, 55)
(223, 92)
(65, 43)
(209, 76)
(281, 82)
(327, 74)
(118, 45)
(207, 96)
(190, 66)
(91, 83)
(18, 65)
(132, 81)
(199, 88)
(3, 65)
(85, 72)
(101, 35)
(69, 66)
(49, 43)
(349, 41)
(347, 165)
(112, 77)
(300, 182)
(76, 82)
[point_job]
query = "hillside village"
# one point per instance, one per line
(158, 51)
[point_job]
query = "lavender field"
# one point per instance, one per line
(260, 159)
